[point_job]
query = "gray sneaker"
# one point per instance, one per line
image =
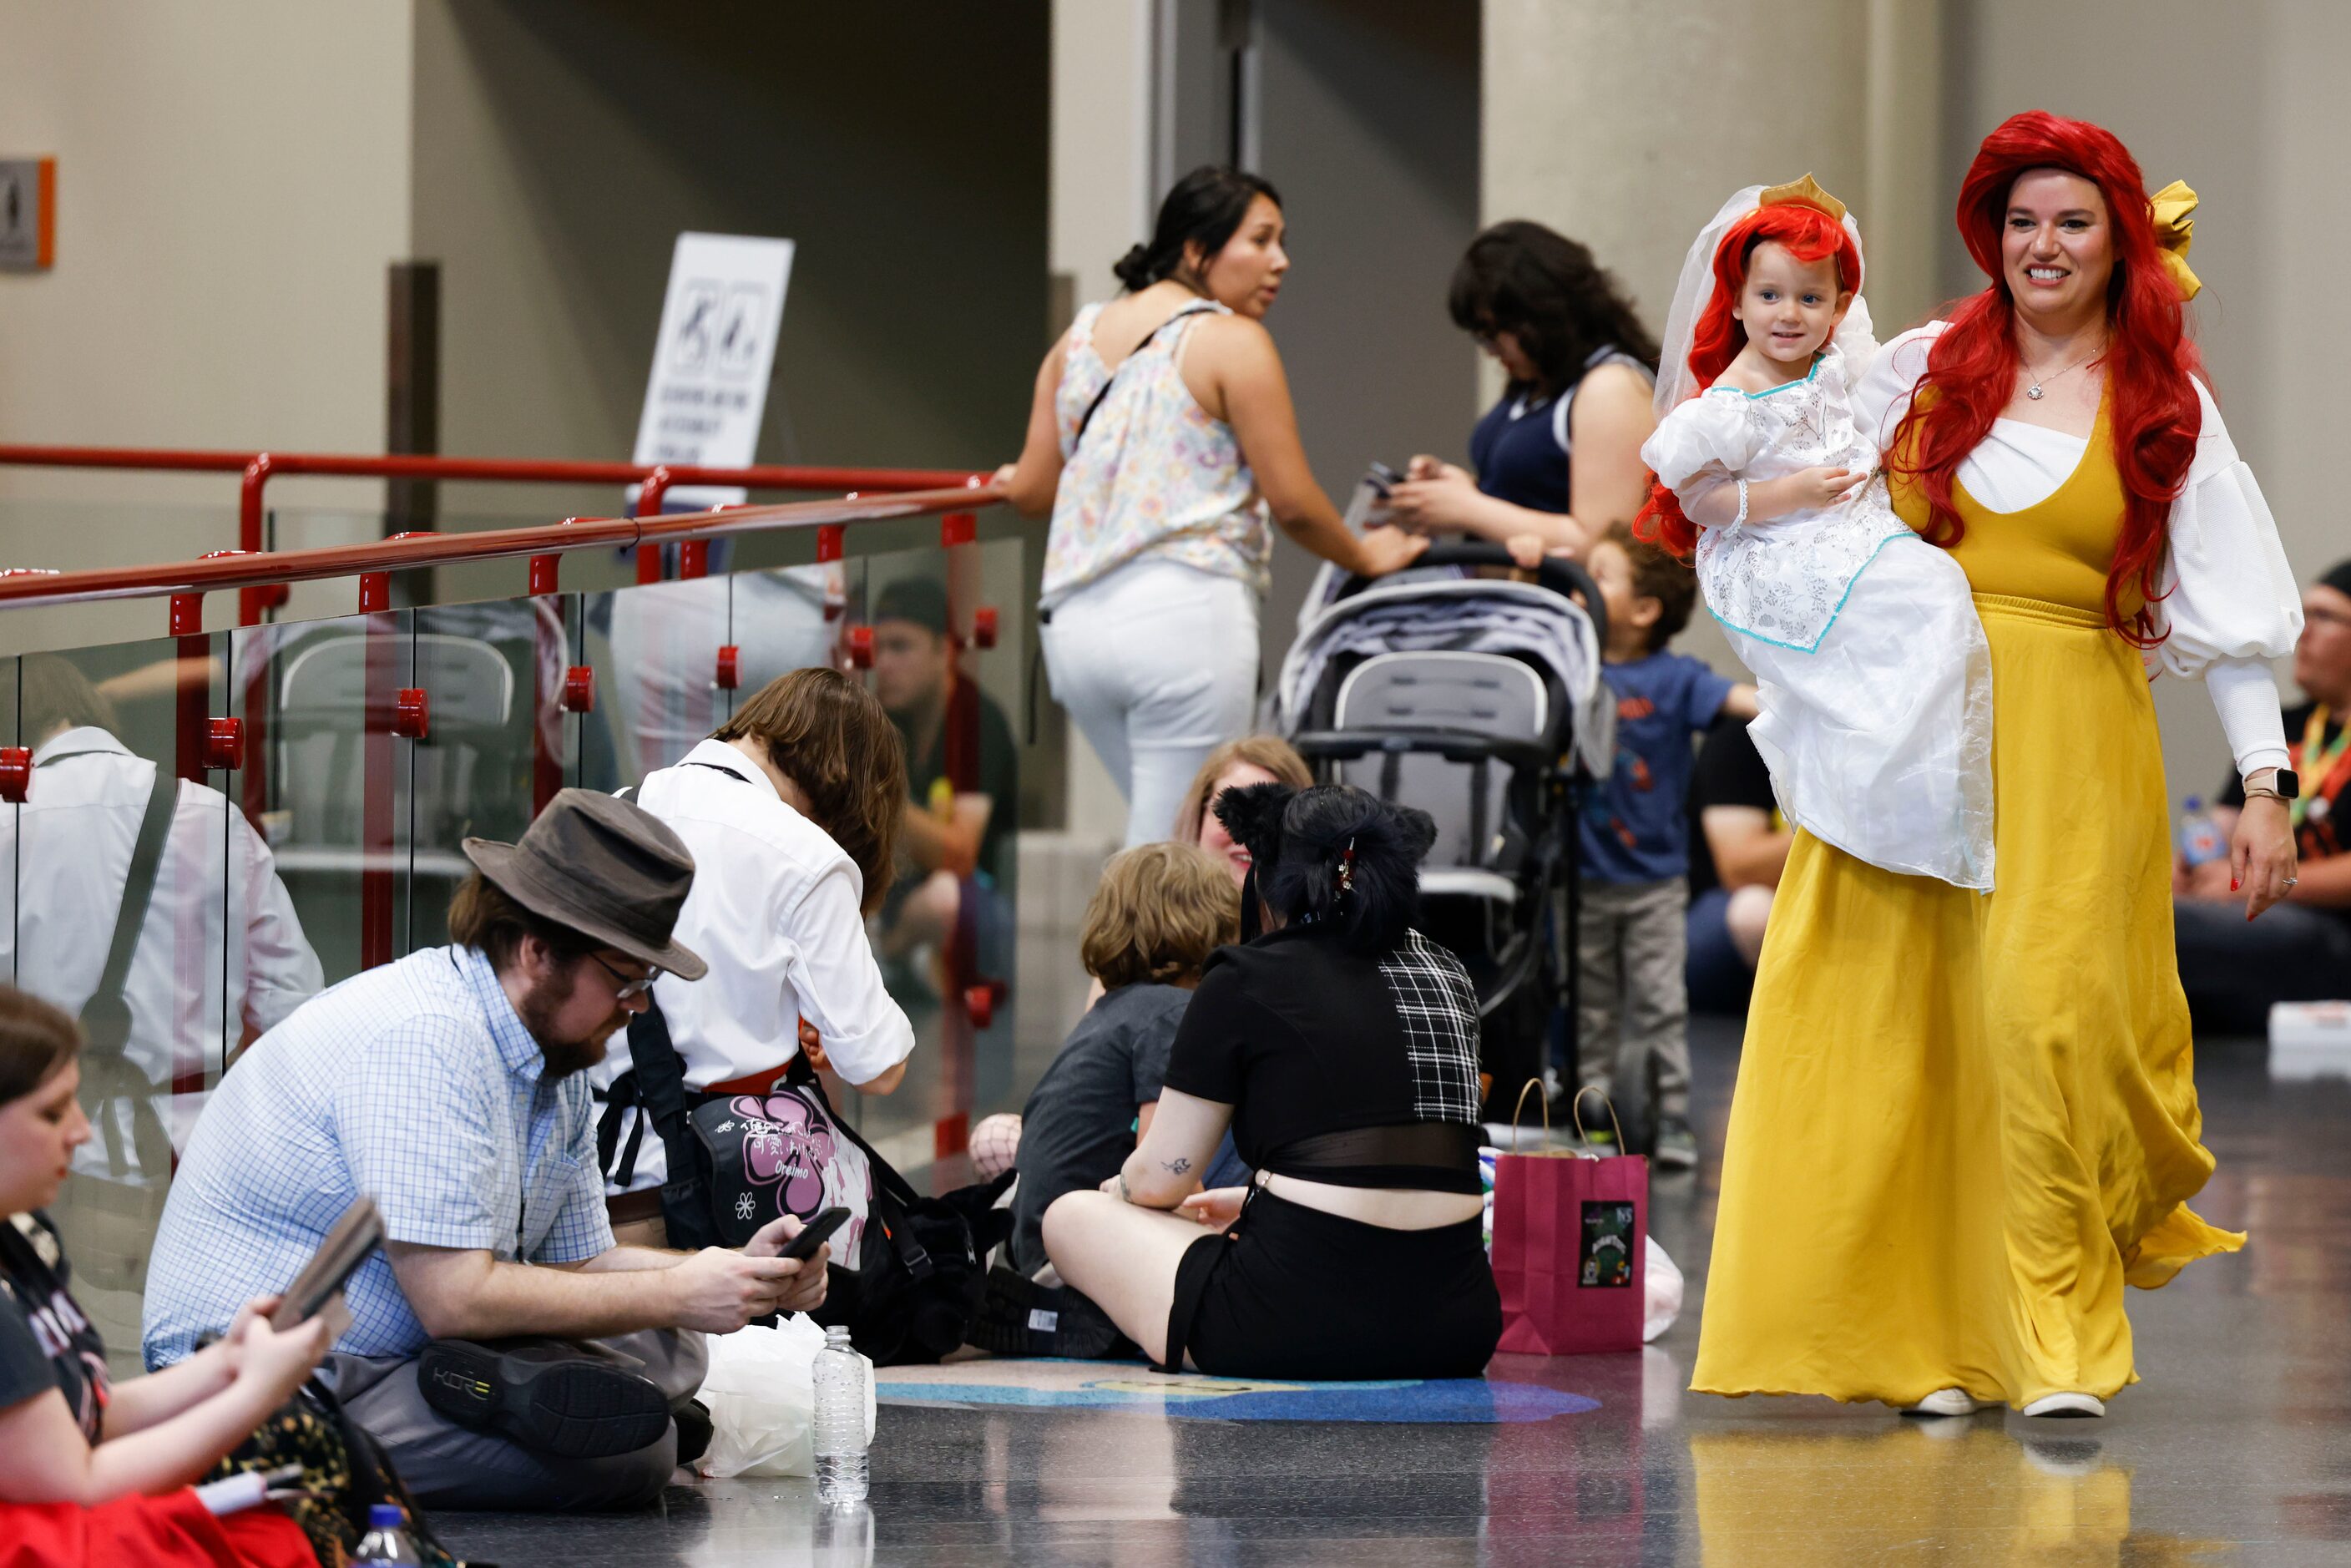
(1676, 1144)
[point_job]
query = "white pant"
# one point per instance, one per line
(1157, 663)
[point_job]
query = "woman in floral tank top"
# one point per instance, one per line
(1161, 440)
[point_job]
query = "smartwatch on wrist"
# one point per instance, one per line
(2284, 784)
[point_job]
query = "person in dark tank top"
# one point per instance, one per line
(1559, 455)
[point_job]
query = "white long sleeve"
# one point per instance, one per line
(2225, 592)
(2245, 695)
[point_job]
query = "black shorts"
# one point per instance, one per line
(1292, 1292)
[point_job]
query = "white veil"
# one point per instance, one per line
(1854, 337)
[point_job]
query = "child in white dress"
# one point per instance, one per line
(1874, 677)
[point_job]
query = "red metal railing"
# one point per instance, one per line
(207, 743)
(257, 468)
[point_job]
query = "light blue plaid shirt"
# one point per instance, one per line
(415, 1083)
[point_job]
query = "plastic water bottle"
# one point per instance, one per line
(2199, 835)
(841, 1470)
(387, 1537)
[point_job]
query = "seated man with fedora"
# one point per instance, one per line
(503, 1350)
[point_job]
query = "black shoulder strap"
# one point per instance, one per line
(106, 1015)
(798, 1073)
(98, 1013)
(1087, 418)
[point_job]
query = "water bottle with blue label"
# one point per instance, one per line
(2201, 840)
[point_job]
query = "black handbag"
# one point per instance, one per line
(913, 1292)
(736, 1162)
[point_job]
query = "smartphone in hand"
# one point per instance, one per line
(802, 1247)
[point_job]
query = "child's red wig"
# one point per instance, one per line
(1971, 368)
(1717, 338)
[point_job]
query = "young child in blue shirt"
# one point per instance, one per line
(1635, 837)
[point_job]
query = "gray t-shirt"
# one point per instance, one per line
(1079, 1127)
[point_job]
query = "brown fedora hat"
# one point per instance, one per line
(605, 867)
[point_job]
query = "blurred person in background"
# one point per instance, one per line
(2233, 969)
(963, 785)
(1161, 436)
(1251, 759)
(1559, 455)
(210, 951)
(1739, 847)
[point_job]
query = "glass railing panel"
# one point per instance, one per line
(496, 737)
(322, 781)
(121, 876)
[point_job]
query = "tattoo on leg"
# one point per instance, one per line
(1176, 1166)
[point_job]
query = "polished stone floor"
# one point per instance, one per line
(2237, 1449)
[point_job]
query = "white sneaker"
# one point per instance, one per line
(1945, 1402)
(2066, 1404)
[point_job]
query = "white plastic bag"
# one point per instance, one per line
(1662, 1301)
(761, 1394)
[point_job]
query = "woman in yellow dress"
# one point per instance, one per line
(1964, 1121)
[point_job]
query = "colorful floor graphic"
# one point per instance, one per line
(1124, 1385)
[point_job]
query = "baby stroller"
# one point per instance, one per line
(1480, 701)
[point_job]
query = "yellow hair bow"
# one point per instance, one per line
(2174, 229)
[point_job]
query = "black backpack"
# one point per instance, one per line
(916, 1291)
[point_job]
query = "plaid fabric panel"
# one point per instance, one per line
(1437, 1006)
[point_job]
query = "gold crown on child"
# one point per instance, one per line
(1805, 193)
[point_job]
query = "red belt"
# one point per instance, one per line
(758, 1082)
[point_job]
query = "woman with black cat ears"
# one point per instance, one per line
(1341, 1048)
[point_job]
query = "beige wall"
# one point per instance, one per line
(232, 180)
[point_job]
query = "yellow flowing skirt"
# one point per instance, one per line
(1963, 1122)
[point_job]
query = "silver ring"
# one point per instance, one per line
(2294, 881)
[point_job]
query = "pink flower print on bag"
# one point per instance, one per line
(785, 1140)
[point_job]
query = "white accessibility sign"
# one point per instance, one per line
(713, 357)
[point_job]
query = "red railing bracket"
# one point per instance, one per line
(730, 668)
(187, 616)
(15, 773)
(831, 542)
(224, 744)
(411, 713)
(580, 689)
(860, 647)
(983, 626)
(959, 528)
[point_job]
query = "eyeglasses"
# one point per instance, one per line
(624, 987)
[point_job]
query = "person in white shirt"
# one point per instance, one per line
(220, 954)
(791, 809)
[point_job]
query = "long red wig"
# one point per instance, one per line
(1971, 368)
(1718, 337)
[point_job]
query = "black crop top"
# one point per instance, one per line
(1360, 1071)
